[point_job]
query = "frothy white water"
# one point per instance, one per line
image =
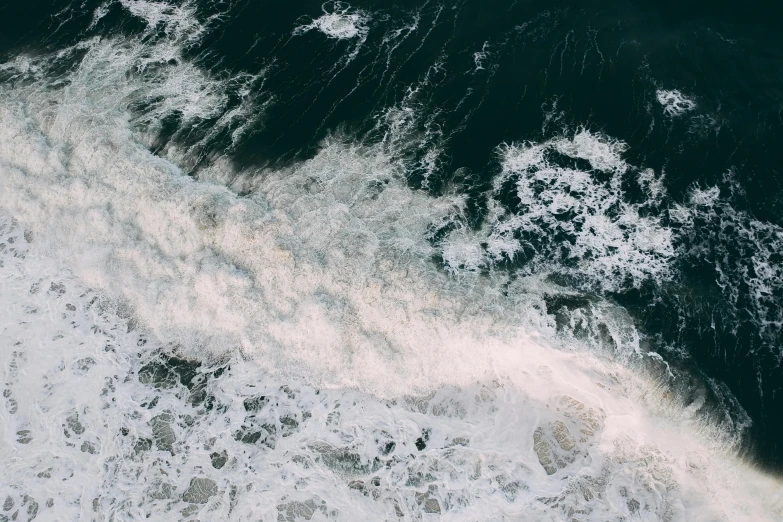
(358, 380)
(323, 270)
(745, 253)
(674, 102)
(97, 425)
(480, 56)
(340, 22)
(148, 83)
(326, 256)
(579, 216)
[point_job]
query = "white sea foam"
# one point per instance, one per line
(340, 343)
(178, 22)
(744, 251)
(480, 56)
(409, 133)
(247, 271)
(149, 81)
(674, 102)
(338, 22)
(610, 242)
(95, 424)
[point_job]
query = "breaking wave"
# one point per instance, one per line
(321, 341)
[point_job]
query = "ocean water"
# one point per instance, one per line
(282, 261)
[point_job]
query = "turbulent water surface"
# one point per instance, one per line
(414, 260)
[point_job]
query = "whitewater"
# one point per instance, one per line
(278, 343)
